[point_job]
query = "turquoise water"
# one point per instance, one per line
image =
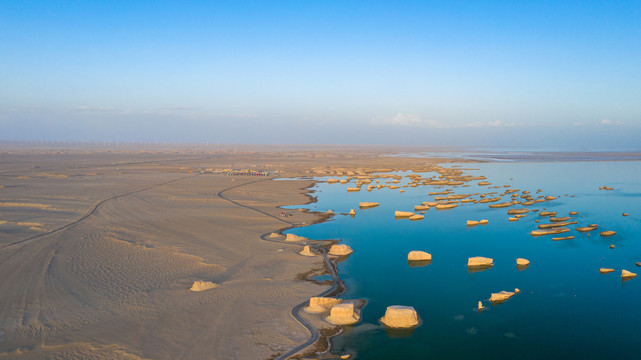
(566, 308)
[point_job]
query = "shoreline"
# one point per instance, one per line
(210, 239)
(337, 287)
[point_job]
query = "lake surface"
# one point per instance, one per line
(565, 309)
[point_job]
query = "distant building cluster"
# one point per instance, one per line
(234, 172)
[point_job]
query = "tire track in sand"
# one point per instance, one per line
(93, 211)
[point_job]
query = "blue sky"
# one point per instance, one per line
(378, 72)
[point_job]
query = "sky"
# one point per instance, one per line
(457, 73)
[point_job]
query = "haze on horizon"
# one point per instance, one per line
(499, 73)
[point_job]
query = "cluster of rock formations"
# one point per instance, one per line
(518, 201)
(341, 312)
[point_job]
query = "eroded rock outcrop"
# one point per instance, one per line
(522, 262)
(517, 211)
(320, 304)
(501, 297)
(417, 255)
(340, 250)
(367, 204)
(403, 214)
(306, 251)
(479, 261)
(563, 238)
(399, 316)
(625, 274)
(202, 286)
(343, 314)
(552, 231)
(294, 237)
(445, 206)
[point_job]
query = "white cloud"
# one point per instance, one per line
(478, 124)
(403, 119)
(86, 108)
(414, 120)
(610, 122)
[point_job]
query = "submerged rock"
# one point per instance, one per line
(343, 314)
(608, 233)
(340, 250)
(417, 255)
(625, 214)
(559, 219)
(574, 213)
(399, 316)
